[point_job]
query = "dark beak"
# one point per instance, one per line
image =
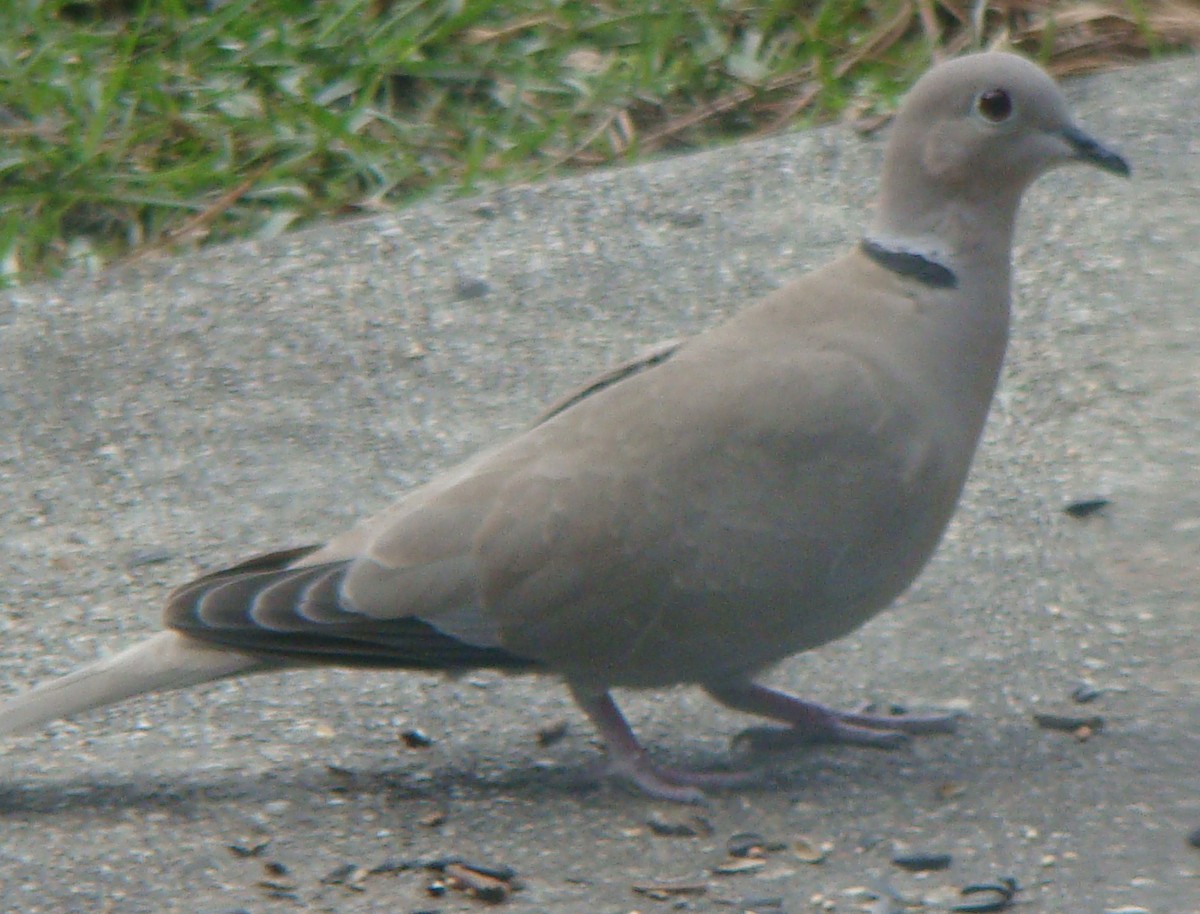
(1095, 153)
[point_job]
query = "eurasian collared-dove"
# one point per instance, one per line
(700, 513)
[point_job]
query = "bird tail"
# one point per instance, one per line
(166, 661)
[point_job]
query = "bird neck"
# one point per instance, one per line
(961, 252)
(962, 235)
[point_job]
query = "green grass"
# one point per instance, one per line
(127, 124)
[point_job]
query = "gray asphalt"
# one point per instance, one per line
(173, 415)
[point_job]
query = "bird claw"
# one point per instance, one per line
(859, 728)
(913, 724)
(677, 785)
(779, 739)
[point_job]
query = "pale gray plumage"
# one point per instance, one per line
(702, 512)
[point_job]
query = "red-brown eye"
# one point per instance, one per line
(995, 105)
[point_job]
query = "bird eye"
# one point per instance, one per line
(994, 105)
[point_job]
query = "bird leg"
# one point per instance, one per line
(815, 723)
(629, 761)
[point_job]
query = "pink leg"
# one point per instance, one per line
(628, 759)
(815, 723)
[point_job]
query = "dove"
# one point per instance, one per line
(702, 512)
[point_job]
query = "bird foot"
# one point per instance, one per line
(677, 785)
(628, 761)
(820, 725)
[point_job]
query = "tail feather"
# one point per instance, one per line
(169, 660)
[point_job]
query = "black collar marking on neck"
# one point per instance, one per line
(913, 265)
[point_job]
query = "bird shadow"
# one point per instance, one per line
(113, 794)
